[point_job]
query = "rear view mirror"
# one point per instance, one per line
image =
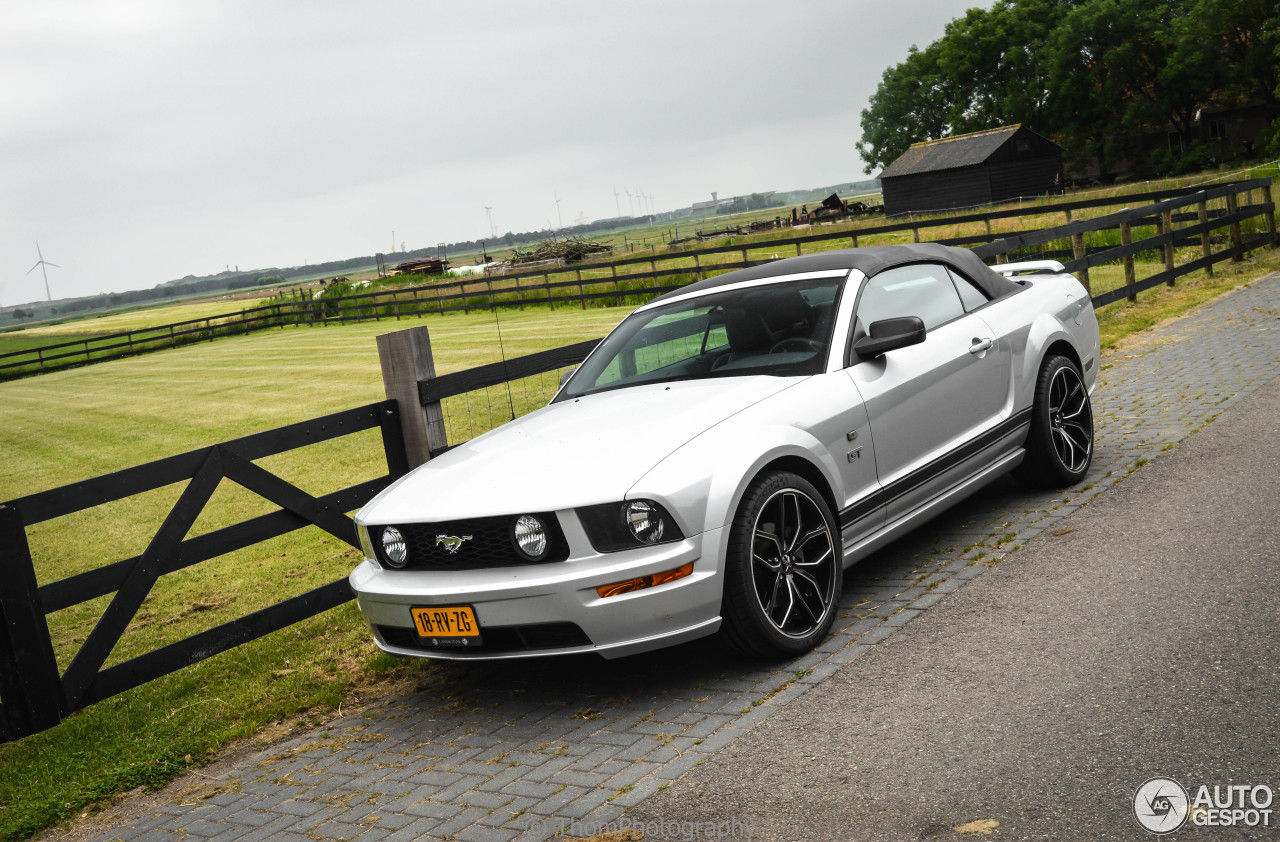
(564, 378)
(889, 335)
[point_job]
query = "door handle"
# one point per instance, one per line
(980, 345)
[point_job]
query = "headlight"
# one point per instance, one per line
(531, 537)
(644, 521)
(627, 525)
(394, 549)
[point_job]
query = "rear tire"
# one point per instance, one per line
(1060, 442)
(784, 569)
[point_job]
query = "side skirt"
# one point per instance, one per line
(889, 532)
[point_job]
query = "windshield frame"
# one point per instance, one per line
(648, 313)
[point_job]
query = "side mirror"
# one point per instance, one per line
(889, 335)
(564, 378)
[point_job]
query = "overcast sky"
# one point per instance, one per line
(144, 141)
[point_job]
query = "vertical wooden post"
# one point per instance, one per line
(797, 248)
(617, 286)
(1271, 214)
(653, 269)
(744, 257)
(1067, 212)
(29, 681)
(987, 220)
(173, 340)
(1126, 238)
(519, 295)
(915, 233)
(1079, 252)
(405, 357)
(581, 293)
(1237, 239)
(1166, 220)
(1206, 241)
(697, 265)
(1002, 258)
(546, 282)
(855, 240)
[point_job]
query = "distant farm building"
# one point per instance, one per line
(979, 168)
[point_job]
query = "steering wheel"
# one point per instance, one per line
(799, 343)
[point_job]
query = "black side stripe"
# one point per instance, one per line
(932, 470)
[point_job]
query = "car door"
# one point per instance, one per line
(928, 404)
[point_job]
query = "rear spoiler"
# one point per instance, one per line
(1030, 267)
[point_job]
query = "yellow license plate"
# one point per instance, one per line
(447, 625)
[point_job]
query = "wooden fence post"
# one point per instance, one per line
(797, 248)
(1126, 238)
(617, 287)
(405, 357)
(1079, 252)
(29, 681)
(1271, 215)
(697, 265)
(653, 273)
(1206, 241)
(520, 294)
(1067, 212)
(1237, 239)
(987, 220)
(582, 299)
(915, 233)
(1166, 220)
(546, 282)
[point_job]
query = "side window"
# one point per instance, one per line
(923, 290)
(972, 297)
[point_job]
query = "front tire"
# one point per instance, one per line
(1060, 442)
(784, 569)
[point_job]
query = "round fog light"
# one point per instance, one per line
(394, 547)
(531, 537)
(644, 521)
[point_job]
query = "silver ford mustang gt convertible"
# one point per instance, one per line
(728, 450)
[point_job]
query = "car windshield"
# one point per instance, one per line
(781, 329)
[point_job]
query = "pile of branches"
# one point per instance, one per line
(570, 250)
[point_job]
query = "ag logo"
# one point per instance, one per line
(452, 543)
(1161, 805)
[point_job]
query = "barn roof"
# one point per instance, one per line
(949, 153)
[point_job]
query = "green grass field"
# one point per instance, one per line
(64, 426)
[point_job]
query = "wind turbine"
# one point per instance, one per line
(631, 202)
(488, 211)
(43, 263)
(616, 204)
(559, 218)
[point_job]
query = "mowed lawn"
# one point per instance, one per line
(162, 314)
(65, 426)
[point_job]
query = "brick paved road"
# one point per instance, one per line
(518, 751)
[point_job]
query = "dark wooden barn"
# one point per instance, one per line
(979, 168)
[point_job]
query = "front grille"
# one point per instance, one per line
(497, 639)
(492, 543)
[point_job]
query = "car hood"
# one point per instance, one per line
(572, 453)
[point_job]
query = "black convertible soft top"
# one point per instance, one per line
(869, 261)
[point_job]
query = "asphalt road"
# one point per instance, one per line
(1140, 638)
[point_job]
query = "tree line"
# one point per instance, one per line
(1100, 77)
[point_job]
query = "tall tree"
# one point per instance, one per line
(911, 103)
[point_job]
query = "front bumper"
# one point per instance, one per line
(532, 610)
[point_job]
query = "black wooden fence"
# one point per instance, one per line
(618, 280)
(35, 694)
